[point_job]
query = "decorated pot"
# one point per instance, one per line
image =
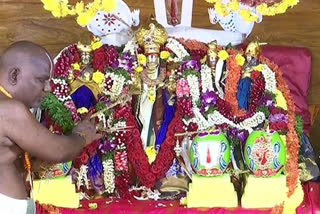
(210, 153)
(264, 154)
(55, 171)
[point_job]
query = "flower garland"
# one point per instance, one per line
(231, 88)
(84, 13)
(177, 48)
(108, 176)
(291, 137)
(269, 77)
(206, 79)
(146, 173)
(265, 8)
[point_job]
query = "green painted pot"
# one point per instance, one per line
(209, 153)
(59, 170)
(265, 155)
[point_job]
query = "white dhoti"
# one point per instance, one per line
(10, 205)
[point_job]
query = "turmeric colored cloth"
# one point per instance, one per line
(310, 204)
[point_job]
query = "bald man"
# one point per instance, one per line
(25, 70)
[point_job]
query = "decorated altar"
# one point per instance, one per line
(208, 121)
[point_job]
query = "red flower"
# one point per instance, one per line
(100, 59)
(281, 126)
(84, 158)
(121, 162)
(149, 180)
(92, 148)
(76, 73)
(77, 163)
(255, 75)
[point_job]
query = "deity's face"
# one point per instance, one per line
(152, 61)
(85, 58)
(212, 60)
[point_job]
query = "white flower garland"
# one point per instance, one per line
(178, 49)
(206, 78)
(193, 83)
(108, 176)
(64, 88)
(201, 121)
(82, 177)
(216, 118)
(117, 86)
(270, 78)
(102, 117)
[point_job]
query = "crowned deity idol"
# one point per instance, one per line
(243, 93)
(151, 37)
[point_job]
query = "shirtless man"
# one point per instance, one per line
(25, 69)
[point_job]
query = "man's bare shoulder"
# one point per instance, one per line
(12, 108)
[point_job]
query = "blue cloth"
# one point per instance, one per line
(243, 93)
(306, 149)
(83, 97)
(167, 117)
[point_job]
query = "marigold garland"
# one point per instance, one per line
(292, 137)
(62, 8)
(232, 85)
(262, 7)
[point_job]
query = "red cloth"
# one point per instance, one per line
(311, 201)
(295, 64)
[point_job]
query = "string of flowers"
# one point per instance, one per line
(146, 173)
(291, 137)
(62, 8)
(231, 88)
(248, 9)
(108, 175)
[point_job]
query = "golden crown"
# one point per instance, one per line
(253, 49)
(151, 36)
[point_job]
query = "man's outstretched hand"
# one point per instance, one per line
(87, 130)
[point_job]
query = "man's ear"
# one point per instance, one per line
(13, 75)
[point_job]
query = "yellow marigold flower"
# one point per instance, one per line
(76, 66)
(82, 110)
(281, 8)
(83, 20)
(258, 67)
(221, 9)
(164, 54)
(247, 16)
(280, 100)
(151, 153)
(223, 55)
(109, 5)
(263, 9)
(240, 59)
(98, 77)
(95, 45)
(79, 8)
(138, 69)
(234, 5)
(142, 59)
